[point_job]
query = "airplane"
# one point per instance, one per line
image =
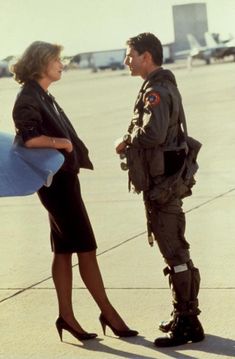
(212, 50)
(197, 51)
(4, 69)
(222, 49)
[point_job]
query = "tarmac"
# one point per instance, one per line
(100, 107)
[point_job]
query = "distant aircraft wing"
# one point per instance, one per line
(24, 171)
(181, 54)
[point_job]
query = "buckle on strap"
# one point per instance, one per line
(179, 268)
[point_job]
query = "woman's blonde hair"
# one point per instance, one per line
(34, 61)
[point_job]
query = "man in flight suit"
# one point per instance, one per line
(156, 129)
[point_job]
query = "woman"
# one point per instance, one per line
(40, 122)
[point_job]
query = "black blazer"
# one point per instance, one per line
(37, 113)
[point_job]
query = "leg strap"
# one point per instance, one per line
(184, 282)
(179, 268)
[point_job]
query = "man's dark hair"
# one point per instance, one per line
(148, 42)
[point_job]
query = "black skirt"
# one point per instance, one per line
(71, 230)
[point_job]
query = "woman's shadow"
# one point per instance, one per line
(99, 346)
(212, 345)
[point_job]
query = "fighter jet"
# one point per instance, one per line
(222, 49)
(212, 50)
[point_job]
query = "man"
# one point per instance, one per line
(155, 137)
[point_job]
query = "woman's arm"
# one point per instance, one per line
(49, 142)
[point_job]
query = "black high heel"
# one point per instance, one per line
(61, 324)
(120, 333)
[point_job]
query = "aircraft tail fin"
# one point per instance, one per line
(194, 44)
(210, 41)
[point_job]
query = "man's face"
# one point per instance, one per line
(135, 62)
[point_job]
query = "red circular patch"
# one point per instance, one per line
(153, 99)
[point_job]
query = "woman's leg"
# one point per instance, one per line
(91, 276)
(63, 278)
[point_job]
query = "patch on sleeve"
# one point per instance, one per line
(152, 99)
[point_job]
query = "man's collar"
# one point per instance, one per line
(153, 73)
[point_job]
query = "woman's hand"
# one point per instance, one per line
(50, 142)
(68, 145)
(62, 144)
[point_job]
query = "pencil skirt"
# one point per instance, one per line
(70, 227)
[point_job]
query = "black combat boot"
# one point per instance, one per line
(185, 329)
(165, 326)
(184, 281)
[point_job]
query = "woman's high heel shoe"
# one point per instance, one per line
(120, 333)
(61, 324)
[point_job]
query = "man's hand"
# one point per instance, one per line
(120, 145)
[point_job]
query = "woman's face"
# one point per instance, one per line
(54, 70)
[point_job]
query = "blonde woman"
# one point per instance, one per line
(41, 123)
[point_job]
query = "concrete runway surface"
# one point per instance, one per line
(100, 106)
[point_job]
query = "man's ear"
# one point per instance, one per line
(147, 57)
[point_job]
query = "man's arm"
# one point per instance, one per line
(156, 119)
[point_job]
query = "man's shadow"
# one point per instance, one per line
(217, 345)
(212, 345)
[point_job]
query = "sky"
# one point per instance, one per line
(92, 25)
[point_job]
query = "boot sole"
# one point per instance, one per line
(168, 342)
